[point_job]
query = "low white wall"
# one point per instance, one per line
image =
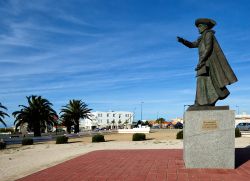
(134, 130)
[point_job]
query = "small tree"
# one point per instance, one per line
(113, 122)
(126, 123)
(139, 123)
(119, 123)
(148, 124)
(160, 121)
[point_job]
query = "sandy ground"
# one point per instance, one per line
(18, 161)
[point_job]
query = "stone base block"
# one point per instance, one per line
(209, 139)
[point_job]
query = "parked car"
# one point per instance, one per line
(155, 127)
(97, 129)
(243, 126)
(170, 125)
(178, 125)
(59, 131)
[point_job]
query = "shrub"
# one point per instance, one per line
(139, 137)
(2, 145)
(61, 139)
(98, 138)
(179, 135)
(27, 141)
(237, 133)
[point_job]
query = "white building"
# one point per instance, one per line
(111, 119)
(242, 118)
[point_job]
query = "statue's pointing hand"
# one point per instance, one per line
(179, 39)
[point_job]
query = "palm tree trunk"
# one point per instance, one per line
(76, 127)
(37, 131)
(69, 129)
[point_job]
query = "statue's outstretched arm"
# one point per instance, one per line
(187, 43)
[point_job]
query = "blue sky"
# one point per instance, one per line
(114, 54)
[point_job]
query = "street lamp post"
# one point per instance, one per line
(238, 109)
(141, 110)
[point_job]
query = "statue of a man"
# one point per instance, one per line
(213, 71)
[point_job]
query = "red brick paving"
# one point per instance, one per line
(139, 165)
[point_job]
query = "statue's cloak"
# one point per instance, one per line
(219, 69)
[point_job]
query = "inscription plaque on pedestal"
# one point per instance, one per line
(209, 125)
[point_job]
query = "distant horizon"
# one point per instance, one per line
(115, 54)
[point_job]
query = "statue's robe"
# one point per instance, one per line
(214, 74)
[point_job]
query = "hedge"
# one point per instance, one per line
(179, 135)
(61, 139)
(139, 137)
(98, 138)
(27, 141)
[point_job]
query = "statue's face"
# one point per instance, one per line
(202, 28)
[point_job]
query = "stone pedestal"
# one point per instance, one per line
(209, 139)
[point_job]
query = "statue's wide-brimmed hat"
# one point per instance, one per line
(209, 22)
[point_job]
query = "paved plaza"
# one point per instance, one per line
(139, 165)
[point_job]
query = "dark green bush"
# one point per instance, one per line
(61, 139)
(237, 133)
(27, 141)
(139, 137)
(98, 138)
(2, 145)
(179, 135)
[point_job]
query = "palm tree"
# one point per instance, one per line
(37, 114)
(75, 110)
(67, 122)
(3, 114)
(126, 123)
(119, 123)
(113, 122)
(160, 121)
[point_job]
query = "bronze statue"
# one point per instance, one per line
(213, 71)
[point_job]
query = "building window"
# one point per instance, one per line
(108, 121)
(113, 115)
(108, 115)
(120, 115)
(99, 115)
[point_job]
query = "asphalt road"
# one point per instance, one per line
(17, 139)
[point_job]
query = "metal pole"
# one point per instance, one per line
(141, 110)
(238, 109)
